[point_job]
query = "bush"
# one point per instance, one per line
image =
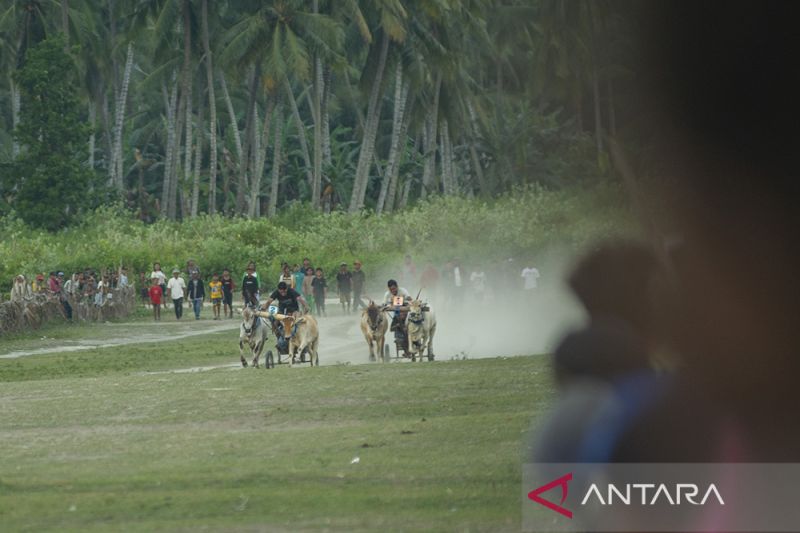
(520, 224)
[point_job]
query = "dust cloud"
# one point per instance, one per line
(506, 320)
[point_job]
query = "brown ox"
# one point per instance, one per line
(302, 333)
(373, 326)
(421, 326)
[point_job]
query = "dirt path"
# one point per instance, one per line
(342, 339)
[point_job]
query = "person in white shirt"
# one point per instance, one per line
(478, 281)
(175, 289)
(531, 276)
(398, 316)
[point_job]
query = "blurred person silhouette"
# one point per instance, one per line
(717, 86)
(603, 369)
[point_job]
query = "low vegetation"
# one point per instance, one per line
(520, 224)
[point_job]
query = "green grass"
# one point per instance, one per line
(204, 350)
(90, 443)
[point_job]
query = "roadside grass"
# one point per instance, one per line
(201, 350)
(432, 446)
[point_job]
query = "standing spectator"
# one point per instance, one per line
(197, 293)
(358, 278)
(299, 275)
(162, 278)
(155, 295)
(320, 289)
(409, 274)
(122, 280)
(344, 285)
(191, 266)
(307, 264)
(20, 291)
(89, 290)
(70, 285)
(53, 285)
(215, 290)
(62, 296)
(39, 284)
(250, 286)
(175, 290)
(478, 280)
(228, 286)
(286, 276)
(308, 288)
(253, 285)
(531, 276)
(103, 291)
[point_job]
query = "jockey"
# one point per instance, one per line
(388, 299)
(287, 300)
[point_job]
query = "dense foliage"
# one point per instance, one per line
(49, 183)
(243, 106)
(522, 225)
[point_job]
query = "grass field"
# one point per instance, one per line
(92, 442)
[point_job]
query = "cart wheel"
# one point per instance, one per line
(269, 362)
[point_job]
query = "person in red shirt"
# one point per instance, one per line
(155, 298)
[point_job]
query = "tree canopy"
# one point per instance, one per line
(243, 107)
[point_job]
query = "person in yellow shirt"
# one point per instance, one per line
(215, 286)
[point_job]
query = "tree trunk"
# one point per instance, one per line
(198, 158)
(250, 136)
(431, 124)
(448, 179)
(15, 106)
(187, 95)
(401, 89)
(212, 126)
(237, 138)
(301, 134)
(316, 187)
(176, 160)
(276, 161)
(473, 151)
(406, 194)
(327, 156)
(171, 104)
(370, 132)
(394, 175)
(260, 159)
(116, 178)
(92, 123)
(108, 138)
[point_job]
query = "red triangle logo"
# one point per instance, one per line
(563, 483)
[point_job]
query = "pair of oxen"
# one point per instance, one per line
(298, 333)
(416, 321)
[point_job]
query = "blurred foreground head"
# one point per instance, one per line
(719, 82)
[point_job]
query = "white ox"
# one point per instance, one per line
(254, 333)
(421, 327)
